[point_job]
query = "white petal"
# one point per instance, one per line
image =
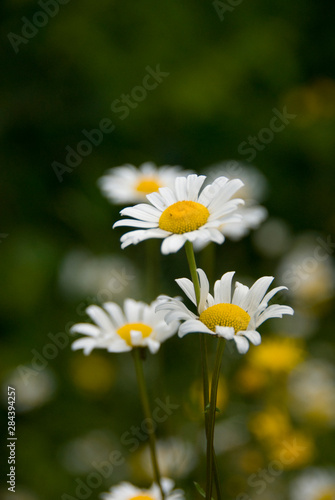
(153, 345)
(86, 344)
(193, 326)
(222, 289)
(181, 188)
(157, 200)
(226, 332)
(273, 311)
(142, 211)
(99, 317)
(172, 243)
(257, 292)
(119, 345)
(85, 329)
(241, 343)
(135, 223)
(273, 292)
(253, 336)
(187, 286)
(116, 313)
(204, 289)
(133, 311)
(168, 195)
(136, 337)
(134, 237)
(194, 183)
(240, 295)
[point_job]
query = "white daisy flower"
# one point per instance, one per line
(255, 184)
(128, 184)
(126, 491)
(176, 457)
(183, 213)
(117, 330)
(314, 484)
(231, 316)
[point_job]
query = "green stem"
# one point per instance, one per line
(193, 269)
(147, 413)
(203, 352)
(211, 417)
(152, 269)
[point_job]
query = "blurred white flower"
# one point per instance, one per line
(128, 184)
(311, 388)
(107, 277)
(273, 238)
(255, 183)
(176, 457)
(126, 491)
(308, 271)
(78, 455)
(32, 389)
(251, 193)
(314, 484)
(230, 433)
(120, 330)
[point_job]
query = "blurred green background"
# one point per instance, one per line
(226, 70)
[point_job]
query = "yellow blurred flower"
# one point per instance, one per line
(94, 373)
(250, 379)
(278, 354)
(250, 460)
(270, 425)
(296, 449)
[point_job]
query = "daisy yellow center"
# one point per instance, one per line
(183, 216)
(147, 185)
(225, 315)
(124, 331)
(141, 497)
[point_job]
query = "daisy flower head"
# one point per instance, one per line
(185, 213)
(233, 316)
(129, 184)
(314, 484)
(126, 491)
(120, 330)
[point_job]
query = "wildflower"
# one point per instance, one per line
(126, 491)
(176, 457)
(278, 355)
(314, 484)
(128, 184)
(117, 330)
(231, 316)
(183, 213)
